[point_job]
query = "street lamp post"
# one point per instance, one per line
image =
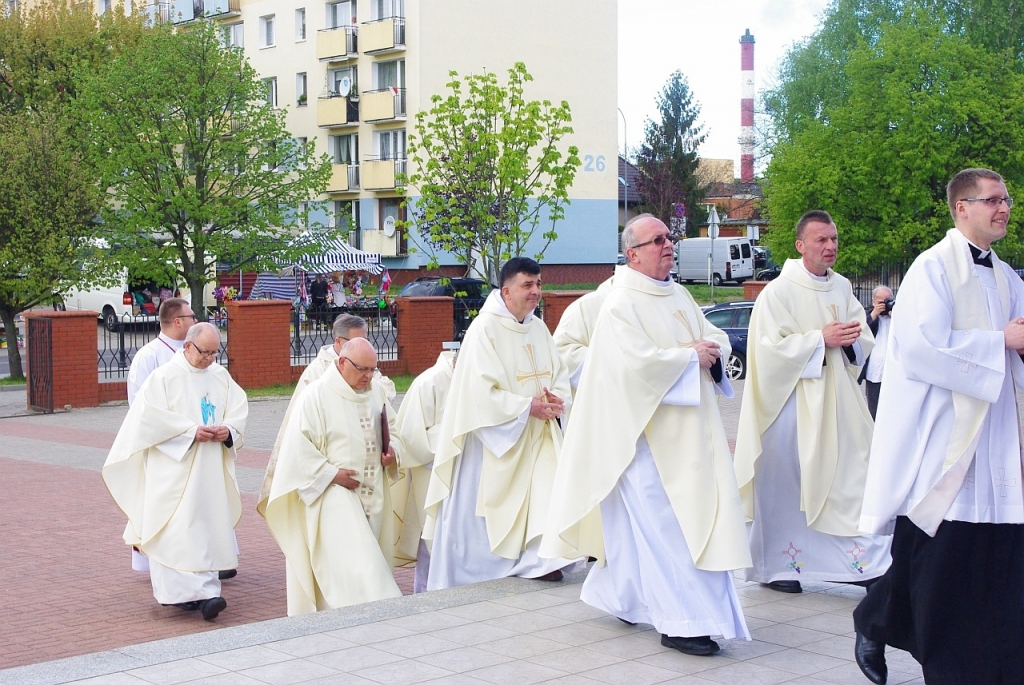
(625, 168)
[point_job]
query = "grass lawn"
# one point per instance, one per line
(7, 380)
(402, 384)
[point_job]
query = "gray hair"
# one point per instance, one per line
(345, 323)
(627, 233)
(202, 327)
(879, 288)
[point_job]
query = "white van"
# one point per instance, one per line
(132, 299)
(733, 260)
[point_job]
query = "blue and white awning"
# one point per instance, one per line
(333, 255)
(273, 287)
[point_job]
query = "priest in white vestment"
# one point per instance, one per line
(645, 482)
(496, 454)
(804, 427)
(330, 506)
(419, 424)
(171, 470)
(345, 328)
(946, 457)
(575, 328)
(176, 318)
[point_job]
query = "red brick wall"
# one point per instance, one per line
(259, 344)
(555, 304)
(75, 379)
(751, 289)
(424, 323)
(114, 391)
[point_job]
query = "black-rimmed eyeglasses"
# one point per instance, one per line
(360, 369)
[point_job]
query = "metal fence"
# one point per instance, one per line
(117, 344)
(311, 330)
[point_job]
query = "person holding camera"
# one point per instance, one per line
(879, 318)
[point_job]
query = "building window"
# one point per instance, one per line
(271, 91)
(390, 144)
(345, 216)
(383, 9)
(337, 79)
(267, 31)
(344, 149)
(300, 24)
(233, 35)
(390, 74)
(102, 7)
(300, 152)
(301, 94)
(341, 14)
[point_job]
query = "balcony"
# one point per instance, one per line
(337, 44)
(384, 105)
(388, 246)
(344, 178)
(333, 112)
(380, 174)
(181, 11)
(383, 35)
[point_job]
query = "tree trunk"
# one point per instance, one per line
(13, 353)
(195, 286)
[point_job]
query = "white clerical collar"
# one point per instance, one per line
(495, 304)
(981, 253)
(661, 284)
(820, 279)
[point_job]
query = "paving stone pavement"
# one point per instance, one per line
(72, 611)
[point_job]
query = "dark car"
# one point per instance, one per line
(770, 273)
(469, 294)
(733, 318)
(761, 257)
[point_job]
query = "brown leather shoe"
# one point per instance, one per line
(553, 576)
(788, 586)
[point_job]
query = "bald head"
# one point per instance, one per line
(357, 363)
(202, 342)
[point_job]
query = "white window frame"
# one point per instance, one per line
(301, 89)
(390, 144)
(271, 91)
(234, 34)
(300, 148)
(386, 9)
(335, 75)
(268, 35)
(378, 82)
(300, 25)
(348, 142)
(337, 18)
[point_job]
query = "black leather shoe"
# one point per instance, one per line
(788, 586)
(189, 606)
(553, 576)
(230, 573)
(870, 657)
(694, 646)
(213, 606)
(628, 623)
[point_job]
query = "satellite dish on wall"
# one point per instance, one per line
(344, 86)
(389, 226)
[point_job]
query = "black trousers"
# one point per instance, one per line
(872, 390)
(955, 602)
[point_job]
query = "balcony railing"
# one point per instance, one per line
(384, 35)
(381, 174)
(332, 112)
(181, 11)
(344, 178)
(336, 44)
(386, 104)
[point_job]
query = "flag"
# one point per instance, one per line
(394, 90)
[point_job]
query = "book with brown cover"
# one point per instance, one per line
(385, 430)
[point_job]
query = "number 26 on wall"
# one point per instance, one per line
(592, 163)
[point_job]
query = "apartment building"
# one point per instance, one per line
(353, 74)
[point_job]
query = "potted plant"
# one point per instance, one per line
(302, 100)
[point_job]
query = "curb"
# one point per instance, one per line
(12, 388)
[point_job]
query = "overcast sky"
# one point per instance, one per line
(701, 39)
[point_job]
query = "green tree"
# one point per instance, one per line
(488, 170)
(196, 159)
(668, 158)
(918, 102)
(48, 207)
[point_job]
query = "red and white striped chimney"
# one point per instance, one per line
(747, 107)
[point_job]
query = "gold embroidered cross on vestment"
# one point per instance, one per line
(534, 374)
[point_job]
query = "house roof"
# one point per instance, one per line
(629, 173)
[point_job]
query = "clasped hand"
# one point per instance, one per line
(212, 433)
(708, 352)
(838, 334)
(546, 406)
(1013, 334)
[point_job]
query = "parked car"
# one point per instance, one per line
(469, 294)
(761, 257)
(734, 319)
(769, 274)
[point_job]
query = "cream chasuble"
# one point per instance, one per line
(833, 425)
(418, 424)
(502, 365)
(180, 496)
(949, 375)
(325, 359)
(337, 542)
(640, 350)
(575, 328)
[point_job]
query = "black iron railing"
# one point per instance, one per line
(118, 339)
(311, 330)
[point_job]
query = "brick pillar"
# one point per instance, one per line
(74, 353)
(259, 342)
(751, 289)
(555, 304)
(423, 324)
